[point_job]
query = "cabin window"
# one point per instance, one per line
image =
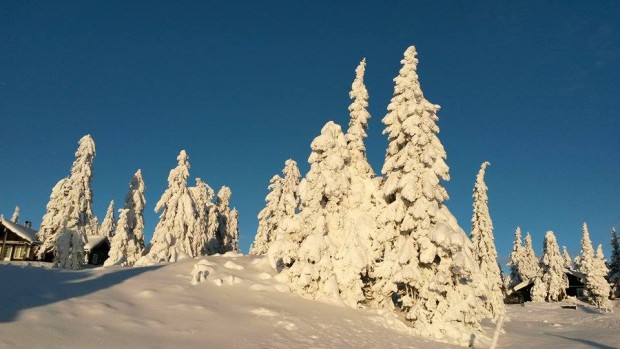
(20, 252)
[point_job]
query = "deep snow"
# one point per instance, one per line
(238, 305)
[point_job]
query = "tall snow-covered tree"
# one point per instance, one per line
(135, 202)
(281, 204)
(199, 243)
(177, 217)
(551, 285)
(484, 244)
(81, 188)
(323, 193)
(568, 262)
(54, 218)
(358, 123)
(15, 216)
(228, 232)
(529, 268)
(439, 284)
(268, 218)
(614, 262)
(122, 244)
(590, 265)
(516, 255)
(108, 226)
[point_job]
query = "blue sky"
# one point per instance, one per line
(531, 87)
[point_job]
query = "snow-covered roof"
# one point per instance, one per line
(93, 241)
(20, 230)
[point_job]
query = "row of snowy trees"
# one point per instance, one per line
(548, 273)
(341, 233)
(191, 224)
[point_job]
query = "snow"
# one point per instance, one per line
(25, 233)
(158, 307)
(93, 241)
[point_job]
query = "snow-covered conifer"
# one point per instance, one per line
(553, 280)
(53, 219)
(122, 244)
(439, 282)
(593, 266)
(202, 194)
(81, 189)
(108, 226)
(228, 233)
(568, 262)
(515, 256)
(135, 202)
(358, 123)
(484, 244)
(15, 216)
(614, 262)
(323, 193)
(177, 217)
(268, 218)
(281, 204)
(529, 267)
(69, 244)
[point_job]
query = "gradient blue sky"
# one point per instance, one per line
(531, 87)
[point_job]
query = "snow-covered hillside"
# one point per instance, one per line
(238, 305)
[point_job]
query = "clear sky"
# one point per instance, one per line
(532, 87)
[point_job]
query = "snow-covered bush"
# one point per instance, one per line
(135, 202)
(122, 243)
(69, 244)
(228, 231)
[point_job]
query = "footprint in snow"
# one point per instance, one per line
(264, 312)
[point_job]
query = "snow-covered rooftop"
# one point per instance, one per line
(20, 230)
(94, 240)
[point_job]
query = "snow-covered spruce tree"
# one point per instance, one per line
(596, 285)
(484, 244)
(553, 281)
(568, 262)
(281, 205)
(122, 244)
(287, 237)
(81, 189)
(604, 289)
(197, 244)
(516, 255)
(228, 232)
(108, 226)
(15, 216)
(135, 202)
(529, 267)
(176, 220)
(614, 262)
(440, 286)
(268, 218)
(53, 218)
(69, 244)
(324, 194)
(358, 123)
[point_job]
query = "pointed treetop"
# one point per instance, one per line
(15, 216)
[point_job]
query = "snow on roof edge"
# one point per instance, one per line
(23, 232)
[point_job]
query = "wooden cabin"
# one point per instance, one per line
(18, 241)
(96, 249)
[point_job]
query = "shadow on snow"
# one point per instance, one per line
(25, 287)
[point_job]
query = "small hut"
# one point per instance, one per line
(18, 241)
